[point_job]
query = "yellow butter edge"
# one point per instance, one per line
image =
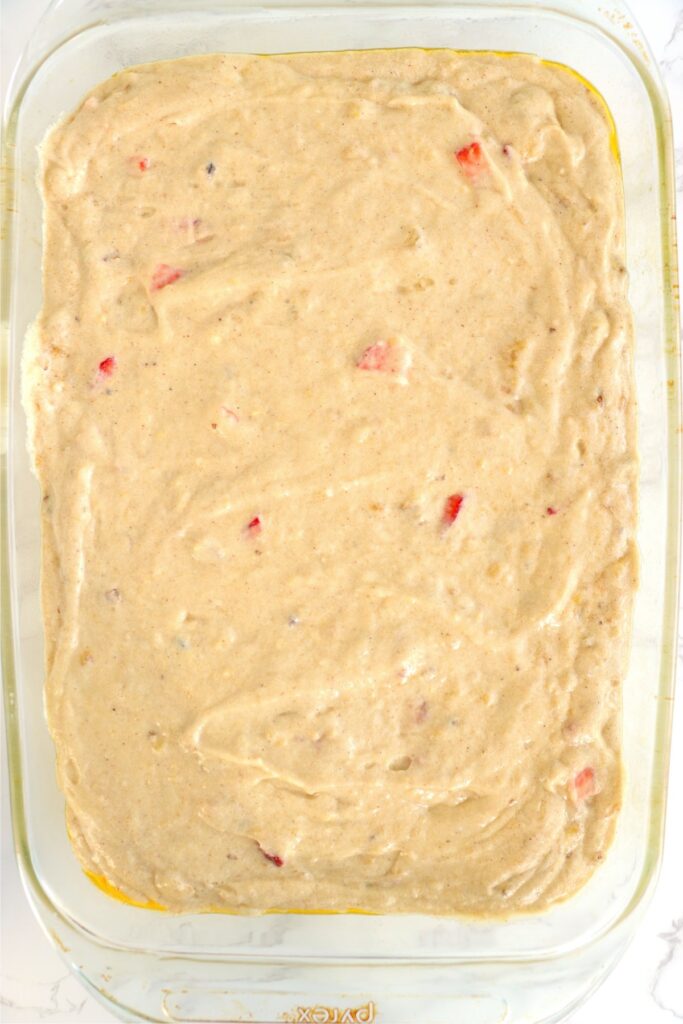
(607, 113)
(111, 890)
(99, 880)
(587, 84)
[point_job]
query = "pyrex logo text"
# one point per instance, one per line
(333, 1015)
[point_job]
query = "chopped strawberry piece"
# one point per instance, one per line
(164, 275)
(506, 150)
(584, 784)
(376, 357)
(107, 366)
(138, 163)
(550, 511)
(385, 357)
(274, 858)
(451, 509)
(471, 159)
(254, 527)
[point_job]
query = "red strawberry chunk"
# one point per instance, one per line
(138, 163)
(376, 357)
(107, 366)
(254, 527)
(584, 784)
(550, 511)
(471, 159)
(274, 858)
(164, 275)
(451, 509)
(385, 357)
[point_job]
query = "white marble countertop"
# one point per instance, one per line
(647, 985)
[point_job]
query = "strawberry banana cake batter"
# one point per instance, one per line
(331, 404)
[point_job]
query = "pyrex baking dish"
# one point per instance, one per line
(398, 970)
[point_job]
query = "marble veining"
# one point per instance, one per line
(666, 988)
(43, 999)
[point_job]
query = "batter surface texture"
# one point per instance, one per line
(331, 404)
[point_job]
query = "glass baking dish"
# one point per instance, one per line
(147, 965)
